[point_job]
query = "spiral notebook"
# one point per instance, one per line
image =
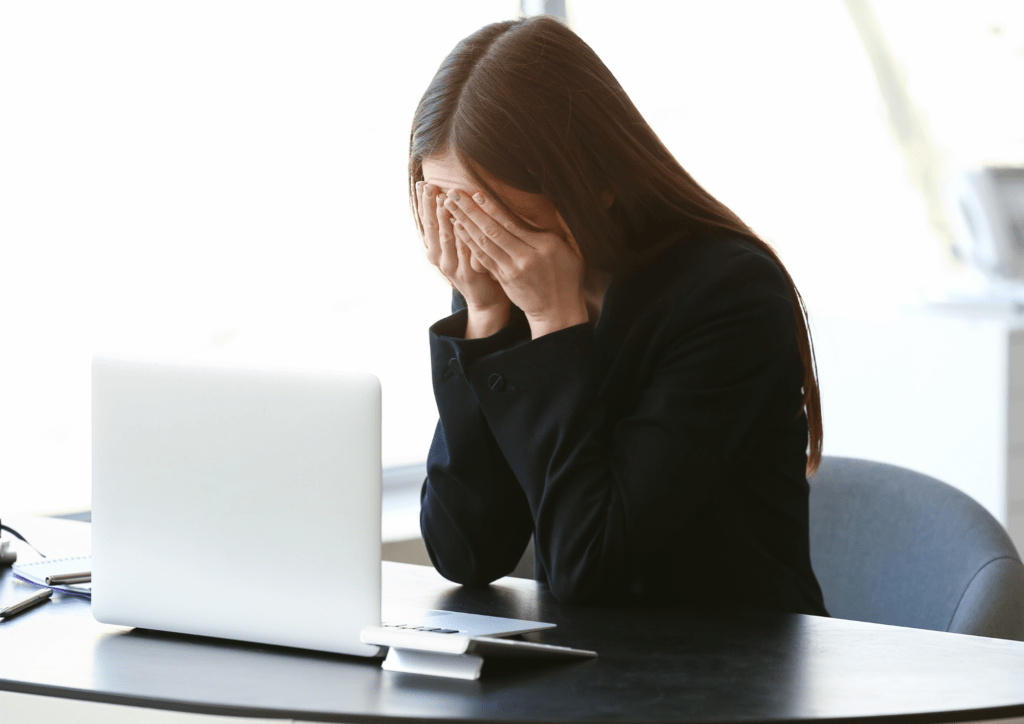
(37, 572)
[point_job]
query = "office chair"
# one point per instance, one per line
(893, 546)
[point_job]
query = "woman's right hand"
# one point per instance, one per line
(487, 303)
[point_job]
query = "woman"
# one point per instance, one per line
(627, 374)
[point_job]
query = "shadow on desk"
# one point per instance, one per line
(140, 659)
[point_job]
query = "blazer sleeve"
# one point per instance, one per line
(474, 516)
(605, 495)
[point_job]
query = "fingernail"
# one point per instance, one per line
(419, 186)
(454, 195)
(450, 205)
(479, 198)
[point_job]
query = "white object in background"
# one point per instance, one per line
(987, 212)
(7, 557)
(935, 388)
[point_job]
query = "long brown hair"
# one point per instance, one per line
(530, 103)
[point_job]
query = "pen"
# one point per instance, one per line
(37, 597)
(82, 577)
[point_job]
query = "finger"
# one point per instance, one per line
(463, 240)
(483, 236)
(474, 260)
(419, 210)
(426, 204)
(495, 226)
(428, 218)
(569, 238)
(449, 261)
(463, 252)
(484, 263)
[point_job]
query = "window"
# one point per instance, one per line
(226, 179)
(775, 108)
(216, 179)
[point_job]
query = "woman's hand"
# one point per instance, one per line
(487, 303)
(542, 272)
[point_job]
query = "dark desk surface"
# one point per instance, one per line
(655, 665)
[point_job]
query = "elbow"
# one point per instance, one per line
(470, 580)
(569, 593)
(460, 564)
(464, 575)
(459, 568)
(585, 593)
(584, 575)
(574, 586)
(584, 556)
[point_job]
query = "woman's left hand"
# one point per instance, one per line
(541, 272)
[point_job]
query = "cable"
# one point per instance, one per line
(20, 537)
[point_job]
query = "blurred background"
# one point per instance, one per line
(227, 180)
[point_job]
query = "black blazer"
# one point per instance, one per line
(659, 454)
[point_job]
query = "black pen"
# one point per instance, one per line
(37, 597)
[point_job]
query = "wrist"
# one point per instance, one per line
(485, 322)
(539, 326)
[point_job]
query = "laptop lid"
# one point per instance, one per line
(236, 502)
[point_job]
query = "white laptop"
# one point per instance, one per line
(244, 503)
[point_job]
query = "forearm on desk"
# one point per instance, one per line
(474, 516)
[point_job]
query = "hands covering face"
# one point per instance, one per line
(493, 261)
(539, 272)
(452, 256)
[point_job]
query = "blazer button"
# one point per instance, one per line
(495, 382)
(453, 365)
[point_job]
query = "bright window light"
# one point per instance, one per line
(227, 179)
(212, 179)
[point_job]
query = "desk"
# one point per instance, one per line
(655, 665)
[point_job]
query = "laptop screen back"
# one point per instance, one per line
(241, 503)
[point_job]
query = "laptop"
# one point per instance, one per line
(245, 503)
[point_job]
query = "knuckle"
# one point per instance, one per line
(512, 227)
(491, 229)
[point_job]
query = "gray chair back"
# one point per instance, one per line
(892, 546)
